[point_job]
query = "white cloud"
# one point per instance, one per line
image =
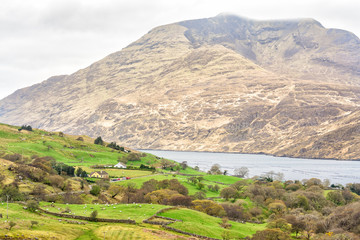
(41, 38)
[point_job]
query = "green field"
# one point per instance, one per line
(50, 227)
(203, 224)
(137, 212)
(184, 181)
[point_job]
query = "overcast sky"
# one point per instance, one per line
(42, 38)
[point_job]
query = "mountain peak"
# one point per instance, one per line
(225, 83)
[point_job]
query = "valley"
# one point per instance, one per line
(47, 192)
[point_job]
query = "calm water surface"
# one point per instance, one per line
(293, 168)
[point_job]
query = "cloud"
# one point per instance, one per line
(41, 38)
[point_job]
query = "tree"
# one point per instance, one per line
(199, 195)
(12, 192)
(215, 169)
(165, 163)
(80, 172)
(200, 185)
(161, 196)
(133, 157)
(239, 185)
(281, 224)
(93, 215)
(56, 181)
(209, 207)
(235, 211)
(277, 207)
(227, 193)
(193, 180)
(99, 141)
(336, 197)
(129, 192)
(184, 165)
(296, 225)
(26, 127)
(179, 199)
(241, 172)
(11, 225)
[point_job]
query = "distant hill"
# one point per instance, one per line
(225, 84)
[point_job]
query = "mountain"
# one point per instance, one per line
(229, 84)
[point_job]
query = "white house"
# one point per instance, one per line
(120, 165)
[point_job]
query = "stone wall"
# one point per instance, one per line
(89, 218)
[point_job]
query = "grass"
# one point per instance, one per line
(118, 173)
(182, 179)
(203, 224)
(64, 149)
(137, 212)
(222, 178)
(49, 227)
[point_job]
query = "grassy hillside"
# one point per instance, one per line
(49, 227)
(64, 148)
(203, 224)
(29, 173)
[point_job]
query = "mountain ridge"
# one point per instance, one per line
(218, 84)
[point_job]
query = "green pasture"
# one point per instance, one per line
(137, 212)
(203, 224)
(182, 179)
(51, 227)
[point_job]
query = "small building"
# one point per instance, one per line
(120, 165)
(99, 174)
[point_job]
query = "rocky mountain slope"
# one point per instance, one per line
(219, 84)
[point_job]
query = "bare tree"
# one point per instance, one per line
(215, 169)
(241, 172)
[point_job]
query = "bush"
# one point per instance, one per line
(93, 215)
(99, 141)
(209, 207)
(26, 127)
(34, 223)
(179, 199)
(11, 225)
(32, 205)
(95, 190)
(235, 212)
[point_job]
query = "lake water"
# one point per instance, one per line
(293, 168)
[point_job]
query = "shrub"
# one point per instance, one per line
(199, 195)
(270, 234)
(99, 141)
(95, 190)
(32, 205)
(93, 215)
(26, 127)
(33, 223)
(56, 181)
(11, 225)
(179, 199)
(235, 212)
(209, 207)
(336, 197)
